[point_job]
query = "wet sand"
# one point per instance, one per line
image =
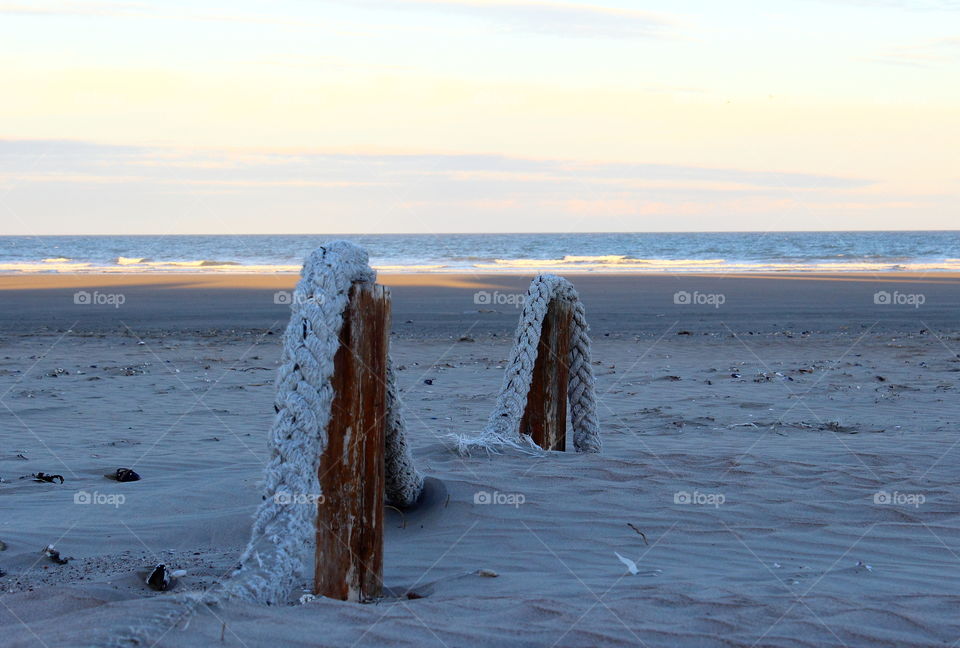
(449, 304)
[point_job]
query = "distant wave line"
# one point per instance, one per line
(567, 264)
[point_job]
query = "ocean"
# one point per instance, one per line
(714, 252)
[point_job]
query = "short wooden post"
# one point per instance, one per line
(349, 555)
(545, 417)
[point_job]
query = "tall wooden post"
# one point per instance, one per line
(349, 555)
(545, 417)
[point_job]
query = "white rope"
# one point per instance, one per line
(284, 524)
(285, 521)
(503, 427)
(404, 482)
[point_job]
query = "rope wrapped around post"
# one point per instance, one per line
(283, 526)
(503, 427)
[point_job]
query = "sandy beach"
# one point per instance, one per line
(779, 462)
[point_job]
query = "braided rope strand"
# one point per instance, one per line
(503, 427)
(404, 481)
(283, 524)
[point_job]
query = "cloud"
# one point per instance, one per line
(545, 16)
(442, 172)
(908, 5)
(59, 186)
(41, 8)
(927, 54)
(770, 179)
(106, 9)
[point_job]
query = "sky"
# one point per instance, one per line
(365, 116)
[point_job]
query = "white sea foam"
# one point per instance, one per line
(572, 253)
(501, 266)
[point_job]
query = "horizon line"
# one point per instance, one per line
(541, 233)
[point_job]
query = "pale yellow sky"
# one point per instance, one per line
(462, 115)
